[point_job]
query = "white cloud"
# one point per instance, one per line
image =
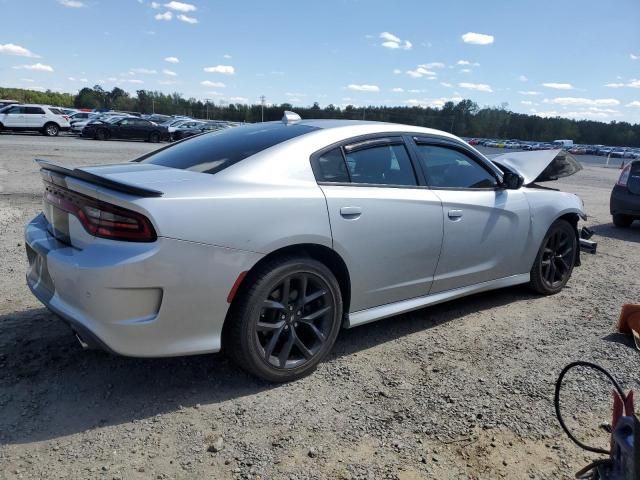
(181, 7)
(421, 72)
(209, 83)
(392, 41)
(155, 5)
(184, 18)
(522, 78)
(529, 92)
(634, 57)
(479, 87)
(433, 65)
(28, 80)
(445, 84)
(558, 86)
(477, 38)
(214, 94)
(238, 100)
(227, 56)
(390, 37)
(363, 87)
(170, 73)
(463, 62)
(166, 82)
(39, 67)
(577, 101)
(12, 49)
(465, 70)
(397, 71)
(526, 102)
(635, 103)
(432, 103)
(145, 71)
(224, 69)
(397, 90)
(172, 59)
(164, 16)
(614, 85)
(634, 84)
(71, 3)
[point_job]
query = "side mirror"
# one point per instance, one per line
(512, 181)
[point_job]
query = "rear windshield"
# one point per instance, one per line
(215, 151)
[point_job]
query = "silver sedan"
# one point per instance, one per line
(267, 239)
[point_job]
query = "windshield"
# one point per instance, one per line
(216, 151)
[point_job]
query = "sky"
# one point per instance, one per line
(571, 58)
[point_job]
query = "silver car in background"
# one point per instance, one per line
(265, 240)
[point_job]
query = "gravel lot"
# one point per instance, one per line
(460, 390)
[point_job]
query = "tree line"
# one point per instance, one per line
(464, 118)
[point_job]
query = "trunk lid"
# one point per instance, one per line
(540, 165)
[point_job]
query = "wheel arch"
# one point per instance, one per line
(327, 256)
(573, 217)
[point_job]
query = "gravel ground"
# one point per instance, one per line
(460, 390)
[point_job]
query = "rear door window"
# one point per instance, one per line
(218, 150)
(386, 164)
(330, 167)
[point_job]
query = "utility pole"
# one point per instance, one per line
(262, 99)
(364, 109)
(153, 105)
(207, 100)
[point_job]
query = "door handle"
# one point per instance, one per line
(455, 214)
(350, 213)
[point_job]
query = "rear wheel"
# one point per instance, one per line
(154, 137)
(554, 263)
(51, 130)
(622, 221)
(286, 320)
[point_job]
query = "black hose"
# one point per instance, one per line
(556, 401)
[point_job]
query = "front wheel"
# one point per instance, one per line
(154, 137)
(51, 130)
(554, 263)
(286, 320)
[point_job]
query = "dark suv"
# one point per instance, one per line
(625, 197)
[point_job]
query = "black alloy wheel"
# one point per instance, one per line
(555, 261)
(295, 320)
(285, 319)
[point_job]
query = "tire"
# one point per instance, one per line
(154, 137)
(281, 341)
(622, 221)
(101, 134)
(51, 129)
(556, 258)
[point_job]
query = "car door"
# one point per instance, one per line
(486, 227)
(386, 227)
(34, 117)
(14, 117)
(121, 128)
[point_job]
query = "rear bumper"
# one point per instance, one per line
(157, 299)
(623, 202)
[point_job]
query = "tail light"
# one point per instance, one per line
(624, 176)
(102, 219)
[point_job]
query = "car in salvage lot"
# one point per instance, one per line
(625, 196)
(30, 117)
(125, 128)
(267, 239)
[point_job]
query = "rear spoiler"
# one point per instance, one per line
(98, 180)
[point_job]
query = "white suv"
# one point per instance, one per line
(48, 120)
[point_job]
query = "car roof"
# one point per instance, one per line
(369, 126)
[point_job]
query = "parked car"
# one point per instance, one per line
(281, 233)
(77, 116)
(190, 129)
(127, 128)
(617, 152)
(625, 196)
(78, 125)
(29, 117)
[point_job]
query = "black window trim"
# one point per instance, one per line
(417, 140)
(368, 141)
